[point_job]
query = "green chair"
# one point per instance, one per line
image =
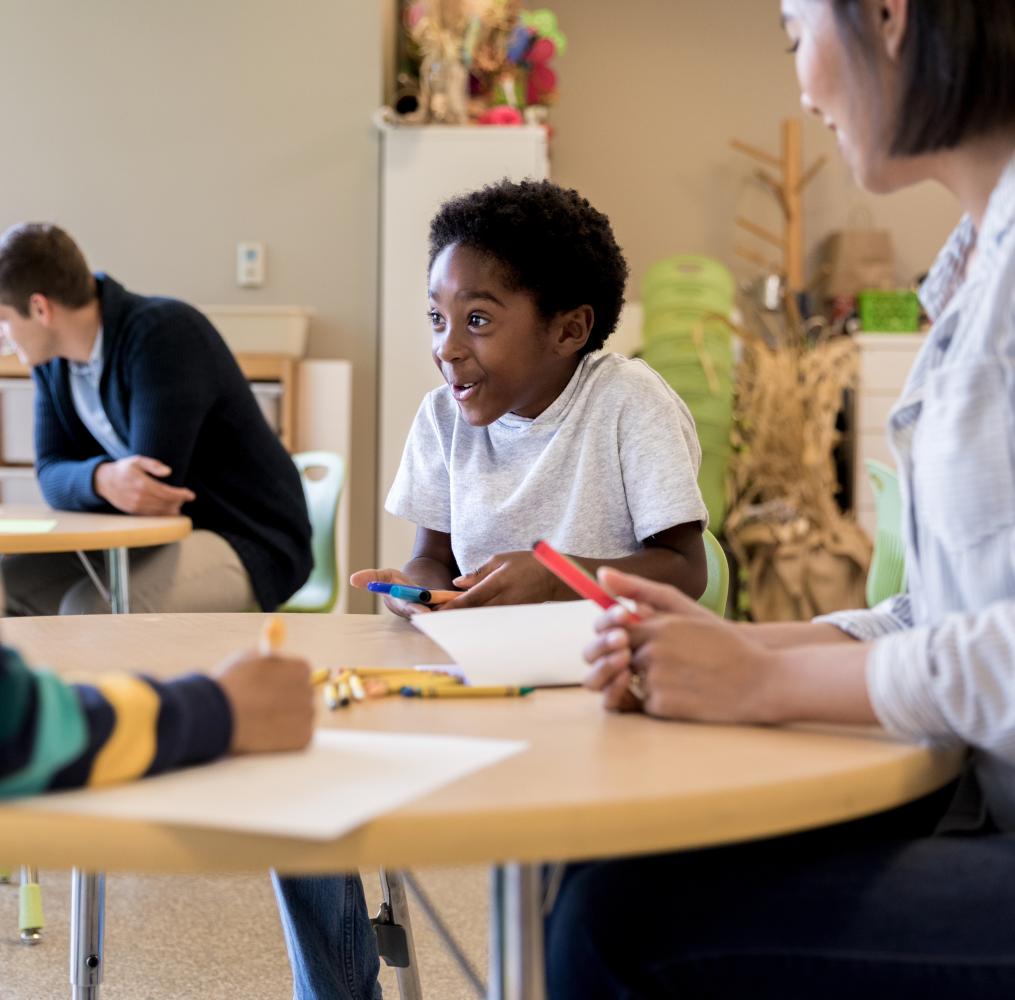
(690, 281)
(718, 587)
(887, 574)
(688, 341)
(323, 476)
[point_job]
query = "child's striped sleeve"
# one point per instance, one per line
(57, 735)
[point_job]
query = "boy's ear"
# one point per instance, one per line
(573, 329)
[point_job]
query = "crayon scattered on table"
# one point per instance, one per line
(465, 691)
(272, 636)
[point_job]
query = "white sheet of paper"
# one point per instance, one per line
(528, 644)
(343, 780)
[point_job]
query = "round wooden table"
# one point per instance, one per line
(77, 532)
(590, 784)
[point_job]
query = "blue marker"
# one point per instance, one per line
(403, 592)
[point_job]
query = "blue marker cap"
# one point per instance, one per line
(418, 595)
(379, 588)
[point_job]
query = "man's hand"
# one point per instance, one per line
(132, 485)
(508, 578)
(272, 702)
(404, 609)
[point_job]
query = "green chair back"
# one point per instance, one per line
(688, 341)
(887, 574)
(718, 587)
(323, 476)
(689, 281)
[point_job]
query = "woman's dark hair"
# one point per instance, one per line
(958, 70)
(548, 241)
(37, 257)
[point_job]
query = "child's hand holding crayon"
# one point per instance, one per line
(270, 696)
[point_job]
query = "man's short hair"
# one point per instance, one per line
(40, 258)
(958, 70)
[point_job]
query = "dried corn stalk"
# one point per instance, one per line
(802, 556)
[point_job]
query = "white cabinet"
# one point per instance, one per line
(17, 405)
(885, 361)
(421, 167)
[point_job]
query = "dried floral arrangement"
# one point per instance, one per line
(802, 556)
(487, 61)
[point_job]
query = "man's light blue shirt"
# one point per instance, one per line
(85, 377)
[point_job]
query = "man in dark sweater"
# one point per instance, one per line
(141, 408)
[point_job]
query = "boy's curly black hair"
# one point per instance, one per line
(548, 240)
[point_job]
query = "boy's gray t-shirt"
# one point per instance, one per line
(613, 460)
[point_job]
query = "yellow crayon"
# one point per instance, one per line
(272, 636)
(409, 677)
(389, 672)
(464, 691)
(344, 694)
(319, 676)
(356, 687)
(377, 687)
(331, 695)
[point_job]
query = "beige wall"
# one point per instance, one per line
(652, 91)
(160, 134)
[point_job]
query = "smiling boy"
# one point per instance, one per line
(536, 433)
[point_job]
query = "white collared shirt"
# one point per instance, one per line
(942, 666)
(85, 377)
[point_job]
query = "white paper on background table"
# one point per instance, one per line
(344, 779)
(25, 526)
(527, 644)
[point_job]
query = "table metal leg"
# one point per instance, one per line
(88, 891)
(118, 566)
(516, 933)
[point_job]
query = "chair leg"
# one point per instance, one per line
(444, 932)
(30, 919)
(394, 935)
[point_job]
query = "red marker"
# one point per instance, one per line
(574, 576)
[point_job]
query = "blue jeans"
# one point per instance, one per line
(331, 944)
(850, 911)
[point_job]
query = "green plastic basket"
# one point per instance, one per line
(889, 312)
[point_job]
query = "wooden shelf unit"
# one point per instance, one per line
(279, 368)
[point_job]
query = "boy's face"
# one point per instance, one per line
(490, 343)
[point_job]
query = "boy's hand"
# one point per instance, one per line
(271, 699)
(132, 485)
(404, 609)
(508, 578)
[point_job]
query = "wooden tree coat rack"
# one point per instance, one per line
(788, 187)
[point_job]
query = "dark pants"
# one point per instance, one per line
(880, 908)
